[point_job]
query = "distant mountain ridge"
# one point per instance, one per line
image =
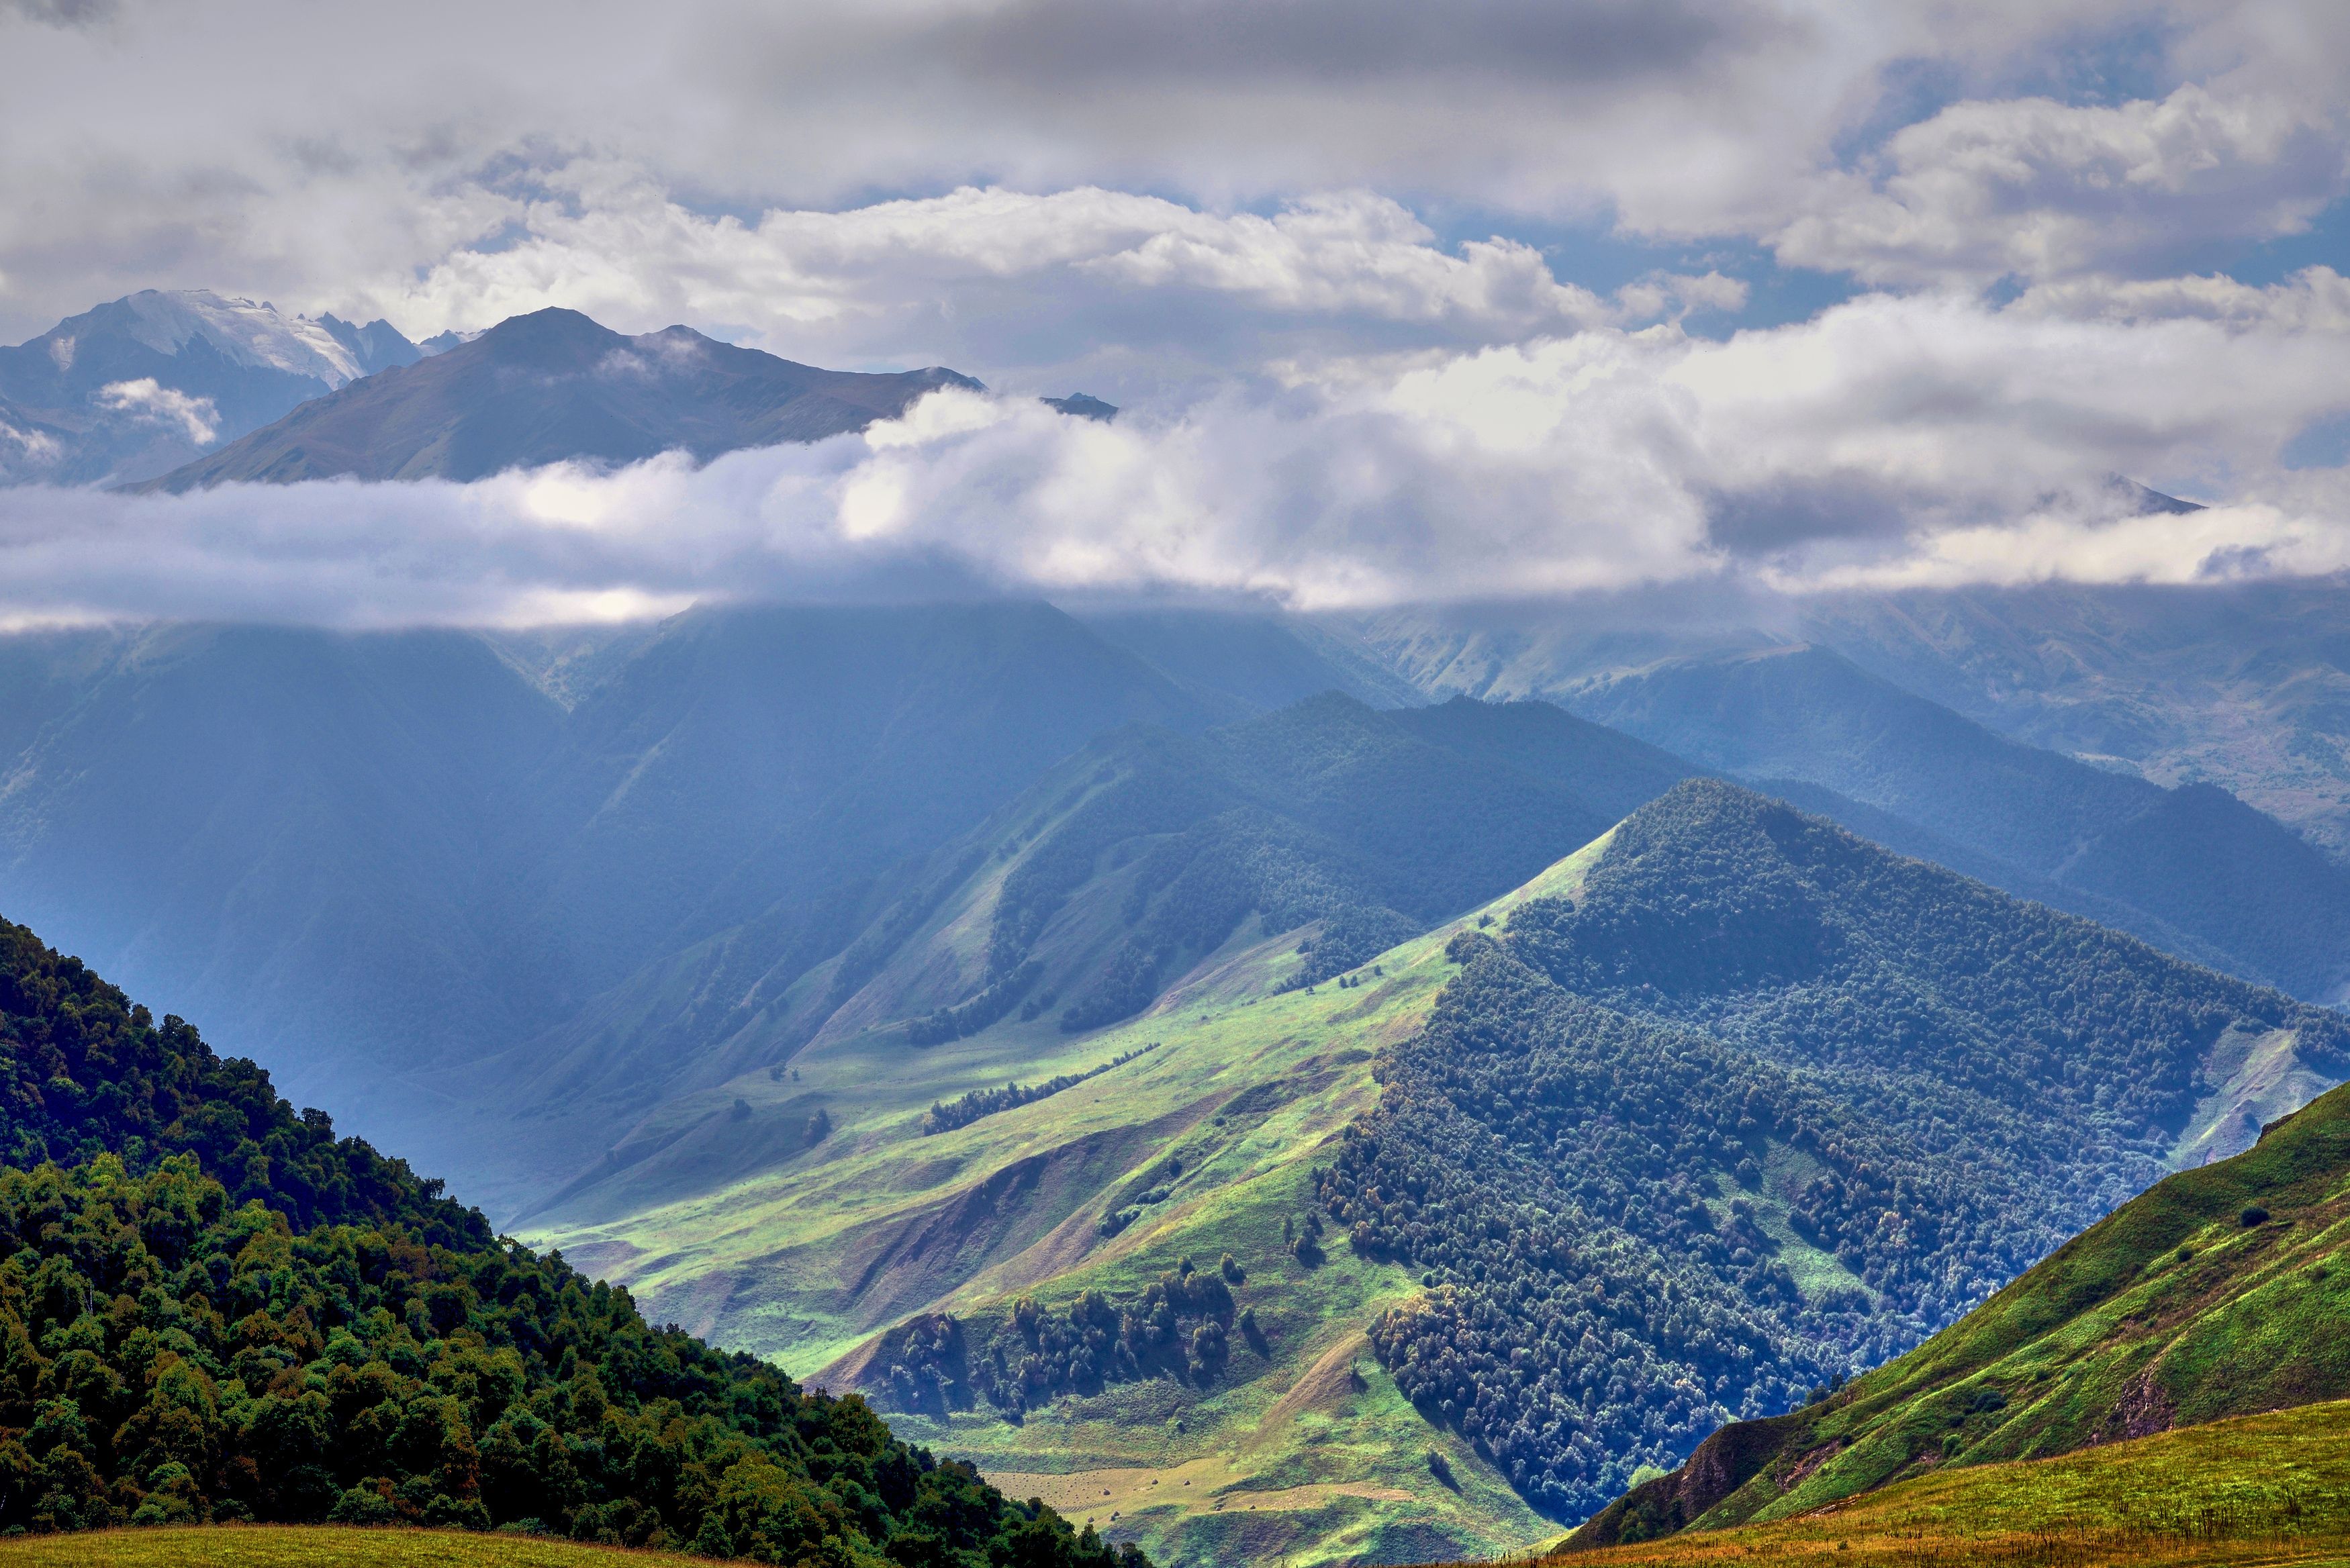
(553, 386)
(135, 387)
(2245, 685)
(2191, 868)
(2187, 865)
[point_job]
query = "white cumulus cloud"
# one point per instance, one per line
(1931, 437)
(319, 157)
(146, 398)
(2038, 188)
(1006, 281)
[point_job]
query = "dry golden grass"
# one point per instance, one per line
(316, 1546)
(2273, 1489)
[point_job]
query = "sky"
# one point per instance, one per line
(1403, 302)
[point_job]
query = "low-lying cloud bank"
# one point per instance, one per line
(1910, 440)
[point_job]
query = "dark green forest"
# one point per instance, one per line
(213, 1309)
(83, 1072)
(946, 1115)
(1182, 1325)
(1942, 1083)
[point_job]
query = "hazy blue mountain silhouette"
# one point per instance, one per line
(2193, 868)
(141, 384)
(553, 386)
(364, 856)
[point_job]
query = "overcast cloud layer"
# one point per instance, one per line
(1403, 301)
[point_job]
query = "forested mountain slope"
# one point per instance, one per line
(88, 1075)
(213, 1309)
(1077, 904)
(1762, 1104)
(2191, 869)
(2223, 1290)
(1723, 1108)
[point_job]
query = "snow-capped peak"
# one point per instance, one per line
(249, 332)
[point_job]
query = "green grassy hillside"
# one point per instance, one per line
(2220, 1292)
(1298, 1445)
(2269, 1489)
(1075, 906)
(321, 1546)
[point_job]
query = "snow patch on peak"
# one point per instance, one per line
(246, 331)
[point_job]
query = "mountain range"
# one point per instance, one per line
(1787, 1103)
(181, 390)
(377, 856)
(555, 387)
(1348, 1087)
(1766, 1102)
(2171, 855)
(139, 386)
(1130, 1047)
(2241, 685)
(607, 858)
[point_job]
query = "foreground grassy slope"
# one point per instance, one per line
(1294, 1448)
(2269, 1488)
(2220, 1292)
(318, 1546)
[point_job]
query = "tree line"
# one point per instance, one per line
(945, 1115)
(213, 1309)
